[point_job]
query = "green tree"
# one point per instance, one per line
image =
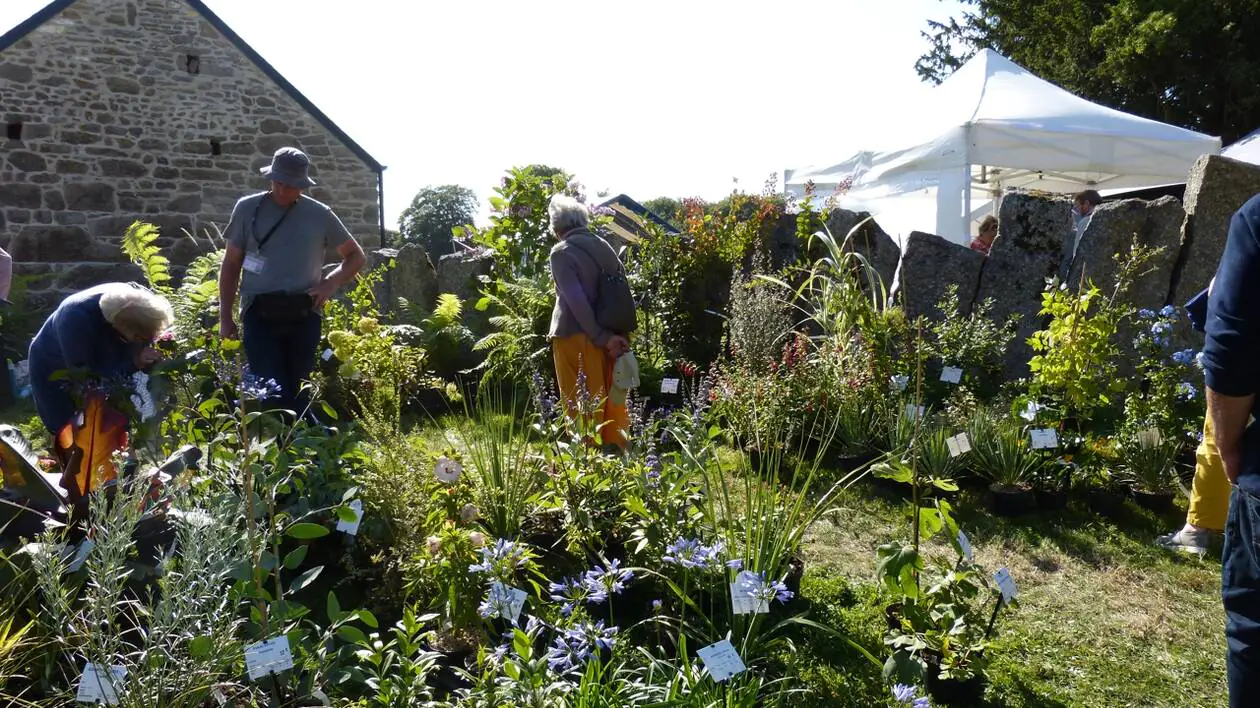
(1191, 63)
(667, 208)
(433, 213)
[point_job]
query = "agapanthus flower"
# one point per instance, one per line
(257, 388)
(760, 589)
(570, 592)
(690, 553)
(605, 581)
(1187, 391)
(577, 644)
(1146, 314)
(498, 603)
(500, 559)
(735, 564)
(922, 702)
(1168, 311)
(903, 693)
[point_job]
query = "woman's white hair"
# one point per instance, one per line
(137, 313)
(566, 214)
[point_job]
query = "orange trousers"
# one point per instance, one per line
(578, 353)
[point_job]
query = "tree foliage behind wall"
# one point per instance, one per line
(1191, 63)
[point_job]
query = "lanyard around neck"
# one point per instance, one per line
(253, 226)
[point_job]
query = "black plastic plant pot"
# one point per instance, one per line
(1012, 501)
(1104, 502)
(1051, 499)
(953, 692)
(1158, 502)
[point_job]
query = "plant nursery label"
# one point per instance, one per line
(965, 544)
(97, 685)
(1006, 584)
(958, 444)
(142, 399)
(1045, 439)
(328, 354)
(669, 385)
(1148, 438)
(507, 601)
(914, 412)
(80, 555)
(951, 374)
(899, 382)
(352, 527)
(269, 657)
(743, 603)
(722, 660)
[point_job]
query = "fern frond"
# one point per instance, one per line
(139, 244)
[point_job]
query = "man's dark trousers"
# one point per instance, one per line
(285, 352)
(1240, 589)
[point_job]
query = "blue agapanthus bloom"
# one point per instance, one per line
(577, 644)
(500, 559)
(1186, 391)
(602, 582)
(1168, 311)
(760, 589)
(570, 592)
(1146, 314)
(903, 693)
(257, 388)
(1185, 357)
(690, 553)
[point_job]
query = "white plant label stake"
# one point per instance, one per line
(81, 555)
(951, 374)
(965, 544)
(269, 657)
(507, 601)
(1045, 439)
(97, 685)
(958, 445)
(669, 385)
(743, 602)
(352, 527)
(328, 354)
(914, 412)
(1006, 584)
(722, 661)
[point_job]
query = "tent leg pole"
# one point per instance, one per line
(967, 202)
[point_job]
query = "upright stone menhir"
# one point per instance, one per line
(1216, 188)
(1113, 229)
(1032, 233)
(868, 239)
(118, 110)
(929, 266)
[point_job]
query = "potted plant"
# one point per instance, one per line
(1148, 467)
(1051, 482)
(1000, 454)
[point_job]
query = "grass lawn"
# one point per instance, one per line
(1105, 618)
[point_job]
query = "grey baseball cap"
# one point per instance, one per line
(289, 166)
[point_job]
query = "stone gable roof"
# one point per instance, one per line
(57, 6)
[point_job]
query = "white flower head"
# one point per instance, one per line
(447, 470)
(469, 513)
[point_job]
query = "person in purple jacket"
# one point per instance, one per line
(105, 332)
(1231, 366)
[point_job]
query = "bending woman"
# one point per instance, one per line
(103, 332)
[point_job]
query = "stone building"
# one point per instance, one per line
(117, 110)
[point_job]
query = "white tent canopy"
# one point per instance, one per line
(1245, 150)
(992, 126)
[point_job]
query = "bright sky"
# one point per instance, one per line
(650, 98)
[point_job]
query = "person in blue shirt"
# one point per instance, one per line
(105, 332)
(1231, 365)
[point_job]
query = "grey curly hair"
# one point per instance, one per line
(566, 214)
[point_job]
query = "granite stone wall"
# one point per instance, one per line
(117, 110)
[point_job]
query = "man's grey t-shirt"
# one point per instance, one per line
(293, 255)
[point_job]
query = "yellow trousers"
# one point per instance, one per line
(578, 353)
(1209, 495)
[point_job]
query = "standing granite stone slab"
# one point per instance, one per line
(1215, 189)
(1111, 232)
(414, 278)
(879, 249)
(928, 267)
(1032, 233)
(459, 273)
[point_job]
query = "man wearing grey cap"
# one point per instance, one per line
(276, 243)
